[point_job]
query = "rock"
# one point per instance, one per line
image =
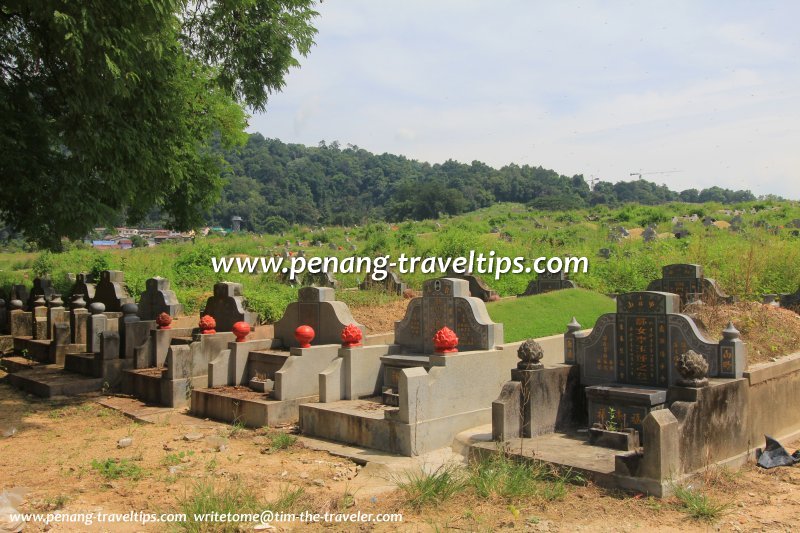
(192, 436)
(10, 432)
(124, 442)
(174, 470)
(319, 483)
(303, 475)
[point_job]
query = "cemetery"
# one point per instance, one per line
(640, 397)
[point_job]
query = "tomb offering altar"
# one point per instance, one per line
(263, 381)
(409, 397)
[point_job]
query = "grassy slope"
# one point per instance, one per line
(548, 314)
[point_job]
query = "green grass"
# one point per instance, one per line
(281, 441)
(423, 489)
(548, 314)
(499, 475)
(210, 497)
(118, 468)
(698, 505)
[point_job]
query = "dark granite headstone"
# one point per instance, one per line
(687, 280)
(447, 302)
(477, 287)
(547, 282)
(84, 286)
(391, 284)
(111, 291)
(157, 298)
(228, 306)
(41, 287)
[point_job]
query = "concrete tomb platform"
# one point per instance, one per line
(403, 397)
(645, 371)
(262, 382)
(48, 381)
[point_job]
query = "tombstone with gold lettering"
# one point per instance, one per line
(631, 357)
(688, 282)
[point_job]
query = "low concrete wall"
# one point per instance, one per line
(355, 374)
(298, 376)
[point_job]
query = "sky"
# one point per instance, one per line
(691, 94)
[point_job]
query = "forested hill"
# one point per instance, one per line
(272, 183)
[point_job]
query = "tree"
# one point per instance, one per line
(117, 107)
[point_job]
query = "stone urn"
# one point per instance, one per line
(693, 369)
(445, 341)
(530, 355)
(351, 336)
(207, 325)
(241, 330)
(304, 335)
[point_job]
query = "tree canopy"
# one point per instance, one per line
(110, 108)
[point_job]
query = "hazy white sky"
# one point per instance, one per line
(711, 89)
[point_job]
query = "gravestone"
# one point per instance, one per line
(391, 284)
(157, 298)
(84, 285)
(447, 302)
(688, 282)
(632, 356)
(477, 287)
(19, 292)
(111, 291)
(320, 279)
(547, 282)
(316, 307)
(41, 287)
(605, 253)
(78, 320)
(649, 234)
(228, 306)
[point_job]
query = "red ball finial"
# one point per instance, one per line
(445, 341)
(207, 325)
(351, 336)
(304, 335)
(241, 330)
(164, 321)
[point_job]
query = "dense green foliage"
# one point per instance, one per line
(111, 109)
(273, 184)
(747, 264)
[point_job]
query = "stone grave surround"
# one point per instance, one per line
(391, 284)
(791, 301)
(685, 279)
(547, 282)
(477, 287)
(228, 306)
(316, 307)
(84, 286)
(639, 347)
(320, 279)
(111, 291)
(447, 302)
(157, 298)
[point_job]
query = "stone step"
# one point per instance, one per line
(80, 363)
(52, 380)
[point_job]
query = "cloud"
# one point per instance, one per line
(592, 88)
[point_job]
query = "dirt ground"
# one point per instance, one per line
(380, 318)
(56, 442)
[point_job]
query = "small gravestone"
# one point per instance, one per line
(332, 246)
(228, 306)
(316, 307)
(477, 287)
(158, 298)
(19, 292)
(688, 282)
(547, 282)
(649, 234)
(791, 301)
(41, 287)
(391, 284)
(320, 279)
(111, 291)
(447, 302)
(605, 253)
(84, 286)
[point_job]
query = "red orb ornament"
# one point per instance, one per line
(304, 335)
(207, 325)
(351, 336)
(164, 321)
(445, 341)
(241, 330)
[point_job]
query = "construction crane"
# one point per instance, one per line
(640, 173)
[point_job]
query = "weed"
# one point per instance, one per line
(424, 489)
(118, 468)
(209, 497)
(698, 505)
